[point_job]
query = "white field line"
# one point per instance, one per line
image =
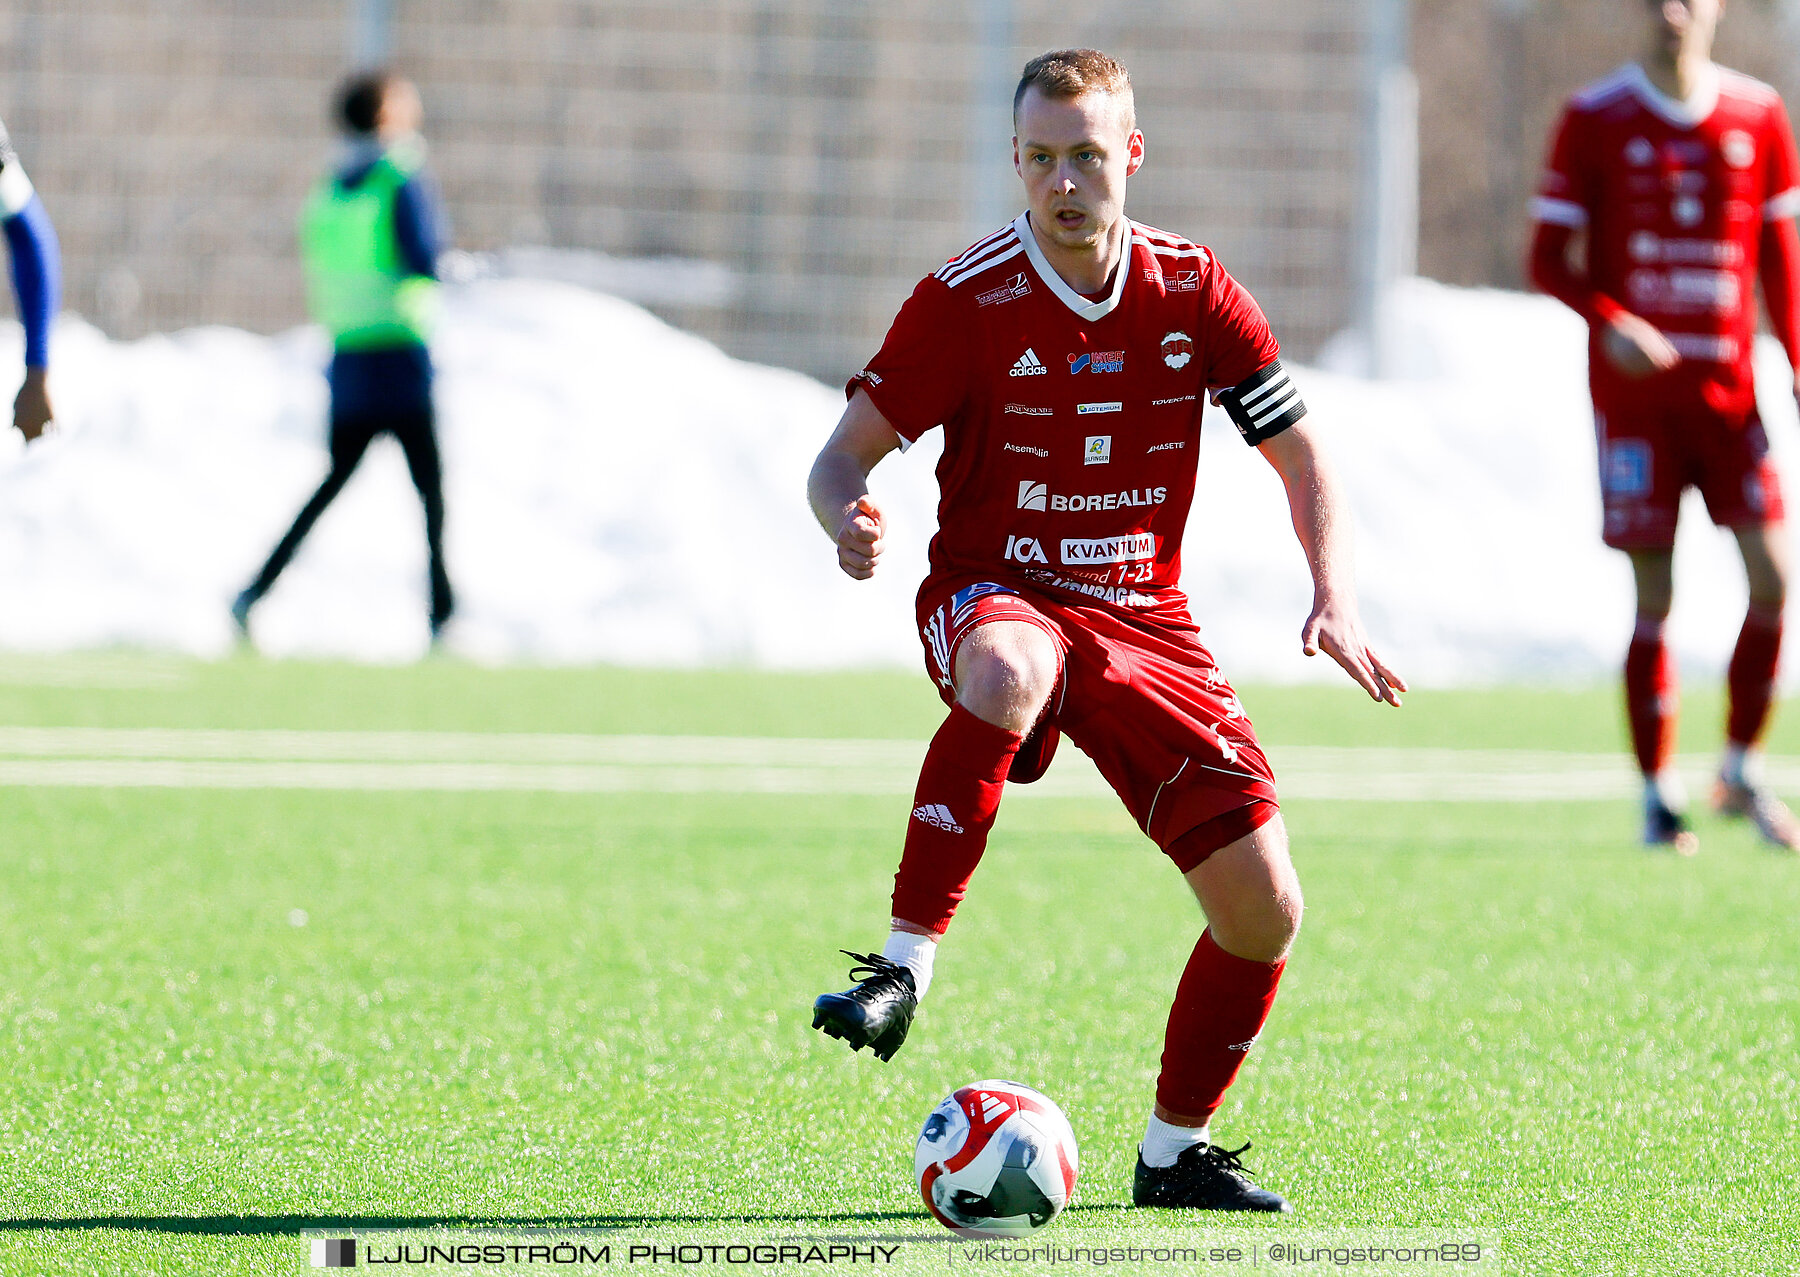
(476, 761)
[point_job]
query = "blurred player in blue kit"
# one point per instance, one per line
(37, 284)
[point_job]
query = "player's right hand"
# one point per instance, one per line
(1637, 347)
(859, 539)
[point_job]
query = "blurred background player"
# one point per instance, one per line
(37, 284)
(1679, 177)
(1065, 356)
(369, 241)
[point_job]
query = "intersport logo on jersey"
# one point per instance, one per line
(1037, 496)
(1078, 552)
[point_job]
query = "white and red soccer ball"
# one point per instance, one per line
(996, 1159)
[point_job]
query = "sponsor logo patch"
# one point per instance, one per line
(1107, 500)
(1132, 548)
(1184, 281)
(1627, 467)
(972, 593)
(1026, 410)
(1097, 361)
(1098, 451)
(1025, 550)
(1158, 403)
(1177, 350)
(938, 816)
(1013, 289)
(1033, 495)
(1025, 448)
(1172, 446)
(1028, 365)
(1088, 409)
(1639, 152)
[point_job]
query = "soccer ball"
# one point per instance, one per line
(996, 1159)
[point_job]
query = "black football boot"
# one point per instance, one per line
(877, 1012)
(1204, 1177)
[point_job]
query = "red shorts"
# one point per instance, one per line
(1137, 694)
(1651, 452)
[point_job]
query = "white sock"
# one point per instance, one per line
(1163, 1143)
(1741, 765)
(1666, 788)
(914, 952)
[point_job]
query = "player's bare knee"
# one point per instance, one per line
(1260, 929)
(1006, 680)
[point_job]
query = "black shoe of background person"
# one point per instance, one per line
(240, 612)
(442, 609)
(876, 1013)
(1204, 1177)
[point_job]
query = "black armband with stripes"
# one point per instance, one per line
(1263, 405)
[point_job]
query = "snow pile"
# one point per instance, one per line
(621, 491)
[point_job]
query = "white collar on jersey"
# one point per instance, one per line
(1060, 286)
(1682, 113)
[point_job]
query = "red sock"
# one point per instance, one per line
(1650, 696)
(953, 809)
(1751, 677)
(1219, 1009)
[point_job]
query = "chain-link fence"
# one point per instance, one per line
(820, 155)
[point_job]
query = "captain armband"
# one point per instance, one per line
(1263, 405)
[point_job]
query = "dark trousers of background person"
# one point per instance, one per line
(351, 435)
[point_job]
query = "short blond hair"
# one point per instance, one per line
(1069, 73)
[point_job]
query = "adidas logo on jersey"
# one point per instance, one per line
(1029, 365)
(938, 816)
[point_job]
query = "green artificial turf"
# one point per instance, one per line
(229, 1018)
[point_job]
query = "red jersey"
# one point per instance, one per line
(1072, 425)
(1674, 197)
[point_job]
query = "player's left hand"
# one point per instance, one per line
(1335, 629)
(31, 409)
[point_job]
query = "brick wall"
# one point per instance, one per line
(825, 150)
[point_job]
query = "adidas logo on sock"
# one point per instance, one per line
(1029, 365)
(937, 815)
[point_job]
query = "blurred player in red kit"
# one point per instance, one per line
(1067, 357)
(1676, 182)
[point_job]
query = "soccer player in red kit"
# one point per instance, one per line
(1680, 179)
(1067, 357)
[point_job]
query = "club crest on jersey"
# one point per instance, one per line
(1097, 361)
(1033, 495)
(1011, 290)
(1177, 350)
(1739, 148)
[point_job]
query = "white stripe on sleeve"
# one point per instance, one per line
(15, 189)
(1558, 212)
(1786, 204)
